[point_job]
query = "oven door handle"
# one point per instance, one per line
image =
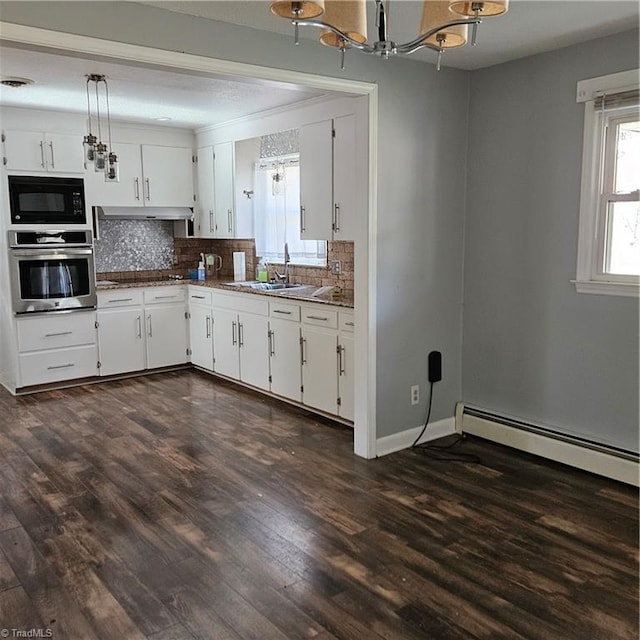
(50, 254)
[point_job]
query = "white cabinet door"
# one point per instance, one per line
(286, 373)
(346, 380)
(121, 340)
(37, 151)
(320, 368)
(206, 194)
(254, 350)
(345, 200)
(166, 328)
(168, 176)
(225, 343)
(224, 189)
(316, 181)
(127, 192)
(201, 336)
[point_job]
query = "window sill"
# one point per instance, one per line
(601, 287)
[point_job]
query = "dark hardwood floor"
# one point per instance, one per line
(175, 506)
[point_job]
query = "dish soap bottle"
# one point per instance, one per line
(201, 270)
(262, 271)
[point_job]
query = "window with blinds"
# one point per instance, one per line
(609, 234)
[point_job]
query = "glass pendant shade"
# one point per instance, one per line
(348, 16)
(436, 12)
(305, 9)
(484, 9)
(100, 158)
(112, 171)
(89, 144)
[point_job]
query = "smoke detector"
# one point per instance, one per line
(15, 82)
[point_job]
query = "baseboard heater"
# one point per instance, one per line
(614, 462)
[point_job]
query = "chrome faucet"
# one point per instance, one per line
(284, 277)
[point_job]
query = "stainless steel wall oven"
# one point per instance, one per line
(51, 271)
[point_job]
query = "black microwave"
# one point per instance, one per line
(46, 200)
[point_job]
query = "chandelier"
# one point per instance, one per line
(343, 24)
(95, 150)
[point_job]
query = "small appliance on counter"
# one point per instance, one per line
(239, 266)
(213, 264)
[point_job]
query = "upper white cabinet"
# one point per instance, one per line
(38, 151)
(329, 198)
(150, 175)
(206, 221)
(223, 171)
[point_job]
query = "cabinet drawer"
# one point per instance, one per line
(58, 364)
(321, 317)
(345, 321)
(199, 295)
(119, 298)
(170, 293)
(55, 331)
(285, 311)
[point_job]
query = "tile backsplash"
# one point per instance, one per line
(153, 264)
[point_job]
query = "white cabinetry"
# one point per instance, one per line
(329, 195)
(346, 362)
(240, 338)
(319, 358)
(141, 329)
(223, 171)
(284, 350)
(150, 175)
(39, 151)
(56, 347)
(206, 221)
(201, 327)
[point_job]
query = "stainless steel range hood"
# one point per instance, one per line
(144, 213)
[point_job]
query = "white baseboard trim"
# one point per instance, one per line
(404, 439)
(598, 462)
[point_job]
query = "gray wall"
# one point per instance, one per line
(533, 347)
(422, 147)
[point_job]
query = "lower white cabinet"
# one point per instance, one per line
(346, 363)
(319, 368)
(56, 347)
(201, 328)
(141, 328)
(284, 349)
(241, 338)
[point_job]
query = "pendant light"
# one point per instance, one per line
(435, 13)
(478, 10)
(350, 17)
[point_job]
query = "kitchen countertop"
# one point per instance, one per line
(302, 294)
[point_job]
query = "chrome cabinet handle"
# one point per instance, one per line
(42, 154)
(341, 369)
(286, 313)
(212, 226)
(302, 218)
(336, 217)
(198, 297)
(150, 329)
(119, 300)
(240, 334)
(272, 347)
(350, 324)
(303, 350)
(61, 333)
(233, 333)
(61, 366)
(53, 162)
(318, 318)
(136, 182)
(230, 220)
(164, 297)
(148, 189)
(208, 323)
(139, 321)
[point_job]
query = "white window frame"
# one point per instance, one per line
(590, 276)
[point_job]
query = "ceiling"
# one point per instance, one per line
(195, 101)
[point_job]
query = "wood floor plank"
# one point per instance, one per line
(177, 506)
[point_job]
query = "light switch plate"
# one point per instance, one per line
(336, 267)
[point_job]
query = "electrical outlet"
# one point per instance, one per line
(174, 259)
(415, 394)
(336, 267)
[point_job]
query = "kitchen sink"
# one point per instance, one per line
(265, 286)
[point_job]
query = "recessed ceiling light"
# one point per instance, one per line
(14, 82)
(163, 119)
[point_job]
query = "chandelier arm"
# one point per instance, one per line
(420, 41)
(341, 34)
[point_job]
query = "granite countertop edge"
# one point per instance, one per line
(304, 294)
